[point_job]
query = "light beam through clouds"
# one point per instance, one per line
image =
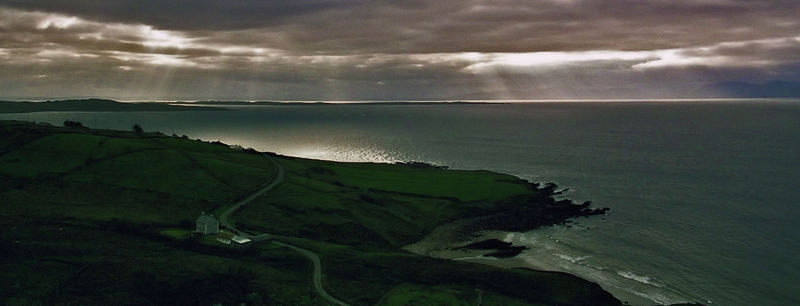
(376, 50)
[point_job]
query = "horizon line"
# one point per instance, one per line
(477, 101)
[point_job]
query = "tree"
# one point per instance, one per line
(73, 124)
(137, 129)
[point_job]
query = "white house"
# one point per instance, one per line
(207, 224)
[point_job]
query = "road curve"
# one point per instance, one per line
(223, 218)
(316, 276)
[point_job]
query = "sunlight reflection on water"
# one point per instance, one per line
(345, 154)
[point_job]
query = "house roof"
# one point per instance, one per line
(206, 219)
(240, 239)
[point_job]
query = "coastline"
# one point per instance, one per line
(345, 249)
(445, 242)
(637, 203)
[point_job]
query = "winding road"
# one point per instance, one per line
(316, 276)
(279, 178)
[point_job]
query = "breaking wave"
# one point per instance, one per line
(639, 278)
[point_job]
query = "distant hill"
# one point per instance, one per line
(236, 102)
(772, 89)
(93, 105)
(338, 103)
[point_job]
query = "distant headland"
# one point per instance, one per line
(93, 105)
(107, 105)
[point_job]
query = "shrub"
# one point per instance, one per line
(137, 129)
(73, 124)
(421, 165)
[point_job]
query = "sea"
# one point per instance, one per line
(704, 195)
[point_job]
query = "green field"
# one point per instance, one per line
(107, 174)
(98, 217)
(176, 233)
(409, 294)
(463, 185)
(338, 202)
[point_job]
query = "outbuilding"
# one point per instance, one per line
(225, 237)
(240, 239)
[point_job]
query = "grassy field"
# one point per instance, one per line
(176, 233)
(96, 217)
(410, 294)
(105, 174)
(459, 184)
(338, 202)
(61, 263)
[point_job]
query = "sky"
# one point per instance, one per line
(393, 50)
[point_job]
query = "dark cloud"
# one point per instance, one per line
(320, 49)
(185, 14)
(346, 26)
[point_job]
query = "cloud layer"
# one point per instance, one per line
(335, 50)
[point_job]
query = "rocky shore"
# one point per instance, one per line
(481, 235)
(501, 249)
(482, 239)
(528, 212)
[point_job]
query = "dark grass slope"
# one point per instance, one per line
(99, 174)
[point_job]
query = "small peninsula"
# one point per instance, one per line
(95, 217)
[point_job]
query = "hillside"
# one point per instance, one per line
(90, 217)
